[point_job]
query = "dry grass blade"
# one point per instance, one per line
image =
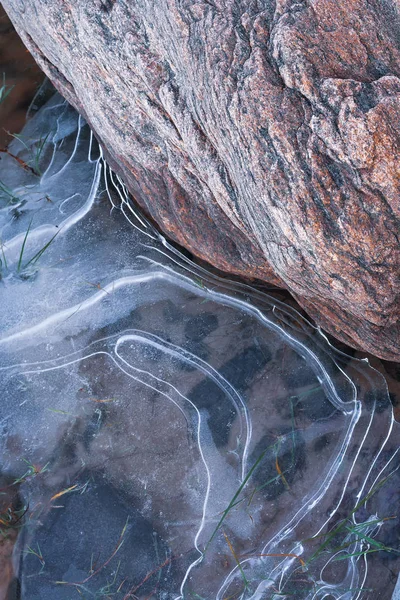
(246, 583)
(66, 491)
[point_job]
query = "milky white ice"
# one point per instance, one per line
(170, 434)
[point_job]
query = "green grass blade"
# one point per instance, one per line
(36, 257)
(361, 536)
(346, 556)
(38, 153)
(5, 90)
(19, 137)
(343, 525)
(6, 190)
(235, 497)
(21, 254)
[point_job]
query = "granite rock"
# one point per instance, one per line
(262, 135)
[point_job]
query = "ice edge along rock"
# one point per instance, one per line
(263, 136)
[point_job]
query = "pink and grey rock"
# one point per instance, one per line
(263, 135)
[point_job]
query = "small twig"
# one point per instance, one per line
(134, 589)
(23, 164)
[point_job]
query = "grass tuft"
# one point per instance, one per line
(21, 265)
(35, 152)
(5, 89)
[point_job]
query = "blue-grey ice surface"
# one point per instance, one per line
(171, 434)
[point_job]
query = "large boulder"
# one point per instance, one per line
(263, 135)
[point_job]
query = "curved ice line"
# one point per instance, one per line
(44, 176)
(56, 367)
(116, 187)
(332, 513)
(235, 302)
(383, 469)
(58, 318)
(87, 205)
(54, 106)
(55, 143)
(364, 578)
(354, 548)
(133, 224)
(392, 421)
(78, 135)
(143, 221)
(186, 283)
(67, 200)
(185, 399)
(311, 502)
(111, 175)
(135, 214)
(123, 186)
(52, 362)
(199, 421)
(208, 370)
(376, 456)
(58, 119)
(106, 182)
(90, 150)
(15, 243)
(296, 343)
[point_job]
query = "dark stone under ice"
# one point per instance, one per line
(169, 434)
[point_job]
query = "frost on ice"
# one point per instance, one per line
(167, 433)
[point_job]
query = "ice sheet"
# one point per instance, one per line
(167, 433)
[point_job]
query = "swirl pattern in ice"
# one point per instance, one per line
(167, 433)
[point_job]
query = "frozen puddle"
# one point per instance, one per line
(165, 433)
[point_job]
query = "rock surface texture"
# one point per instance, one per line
(262, 135)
